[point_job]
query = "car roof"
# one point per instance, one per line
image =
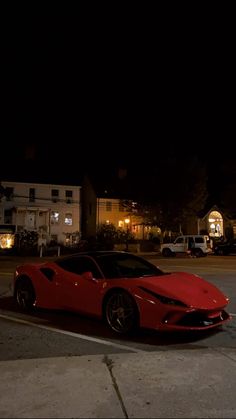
(92, 253)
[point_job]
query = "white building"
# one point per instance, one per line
(54, 211)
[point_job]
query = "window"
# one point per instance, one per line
(79, 265)
(108, 206)
(199, 239)
(69, 196)
(68, 219)
(8, 216)
(179, 240)
(55, 195)
(54, 217)
(54, 240)
(9, 193)
(122, 265)
(121, 206)
(31, 195)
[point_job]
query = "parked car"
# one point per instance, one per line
(125, 290)
(201, 245)
(225, 248)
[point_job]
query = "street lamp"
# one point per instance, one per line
(127, 221)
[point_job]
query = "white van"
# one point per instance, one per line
(202, 245)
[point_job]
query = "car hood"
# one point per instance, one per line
(187, 288)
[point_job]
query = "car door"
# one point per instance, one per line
(81, 292)
(179, 245)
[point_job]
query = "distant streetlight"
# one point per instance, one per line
(127, 221)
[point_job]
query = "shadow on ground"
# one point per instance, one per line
(92, 327)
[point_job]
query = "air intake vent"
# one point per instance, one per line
(49, 273)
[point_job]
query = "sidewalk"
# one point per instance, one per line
(197, 383)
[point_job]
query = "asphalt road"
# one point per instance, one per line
(49, 334)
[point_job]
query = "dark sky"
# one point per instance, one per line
(121, 93)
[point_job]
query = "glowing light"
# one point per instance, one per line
(6, 241)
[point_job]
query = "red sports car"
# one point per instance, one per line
(124, 289)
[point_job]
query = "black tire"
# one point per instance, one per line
(166, 252)
(25, 294)
(121, 312)
(198, 253)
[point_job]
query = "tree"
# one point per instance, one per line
(106, 235)
(227, 187)
(183, 192)
(175, 190)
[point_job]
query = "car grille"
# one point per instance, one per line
(199, 319)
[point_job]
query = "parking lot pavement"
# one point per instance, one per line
(193, 383)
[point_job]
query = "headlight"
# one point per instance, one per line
(171, 301)
(165, 300)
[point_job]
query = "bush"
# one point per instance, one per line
(26, 243)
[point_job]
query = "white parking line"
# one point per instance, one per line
(208, 268)
(7, 273)
(74, 335)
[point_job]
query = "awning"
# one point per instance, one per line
(7, 229)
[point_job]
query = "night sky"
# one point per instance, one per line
(79, 97)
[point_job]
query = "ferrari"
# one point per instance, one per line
(123, 289)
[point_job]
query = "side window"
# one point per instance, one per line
(199, 240)
(79, 265)
(179, 240)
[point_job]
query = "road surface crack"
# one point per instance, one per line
(109, 363)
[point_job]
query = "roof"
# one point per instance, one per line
(26, 175)
(110, 185)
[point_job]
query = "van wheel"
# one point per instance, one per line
(198, 253)
(167, 253)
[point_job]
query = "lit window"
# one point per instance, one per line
(68, 219)
(6, 241)
(54, 217)
(120, 223)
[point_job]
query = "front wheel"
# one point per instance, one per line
(167, 253)
(121, 312)
(24, 294)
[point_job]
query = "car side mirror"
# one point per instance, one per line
(88, 276)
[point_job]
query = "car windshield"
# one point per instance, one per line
(126, 265)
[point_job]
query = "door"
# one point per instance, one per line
(80, 292)
(179, 245)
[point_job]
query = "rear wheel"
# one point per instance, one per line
(121, 312)
(167, 253)
(198, 253)
(25, 294)
(220, 252)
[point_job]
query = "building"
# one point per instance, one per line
(108, 201)
(217, 223)
(51, 210)
(101, 205)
